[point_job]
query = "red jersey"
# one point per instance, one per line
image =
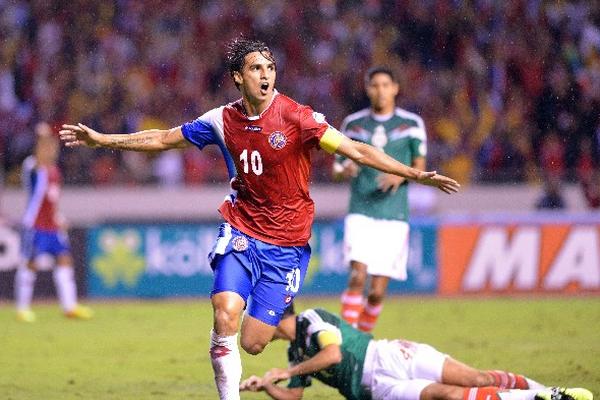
(271, 153)
(43, 184)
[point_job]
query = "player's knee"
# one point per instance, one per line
(226, 319)
(252, 346)
(358, 278)
(376, 297)
(482, 379)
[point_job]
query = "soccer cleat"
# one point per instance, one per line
(557, 393)
(80, 312)
(26, 316)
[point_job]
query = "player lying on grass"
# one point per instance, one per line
(325, 347)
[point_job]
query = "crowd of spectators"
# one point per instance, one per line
(509, 90)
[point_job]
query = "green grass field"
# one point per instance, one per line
(159, 350)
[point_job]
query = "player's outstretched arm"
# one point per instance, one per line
(369, 156)
(149, 140)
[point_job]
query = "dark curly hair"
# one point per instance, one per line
(238, 48)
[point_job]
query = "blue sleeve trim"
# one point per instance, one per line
(199, 133)
(228, 160)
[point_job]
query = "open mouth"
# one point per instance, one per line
(264, 87)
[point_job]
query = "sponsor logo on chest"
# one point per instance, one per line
(253, 128)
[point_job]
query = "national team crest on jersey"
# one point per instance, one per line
(277, 140)
(240, 243)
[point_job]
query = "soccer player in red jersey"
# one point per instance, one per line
(261, 254)
(43, 231)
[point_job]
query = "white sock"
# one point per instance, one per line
(227, 365)
(65, 287)
(24, 282)
(518, 394)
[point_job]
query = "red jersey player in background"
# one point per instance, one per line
(44, 232)
(261, 253)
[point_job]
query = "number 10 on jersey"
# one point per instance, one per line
(255, 162)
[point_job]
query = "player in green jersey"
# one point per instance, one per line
(325, 347)
(376, 228)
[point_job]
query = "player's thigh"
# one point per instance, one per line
(231, 275)
(283, 270)
(227, 308)
(256, 334)
(29, 247)
(389, 253)
(428, 363)
(461, 374)
(393, 389)
(61, 249)
(358, 238)
(230, 262)
(55, 244)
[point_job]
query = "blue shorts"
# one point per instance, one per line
(266, 276)
(35, 242)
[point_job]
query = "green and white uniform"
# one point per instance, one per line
(345, 376)
(370, 369)
(376, 228)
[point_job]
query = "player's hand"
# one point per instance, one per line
(345, 170)
(445, 184)
(350, 170)
(79, 135)
(252, 384)
(389, 182)
(276, 375)
(238, 185)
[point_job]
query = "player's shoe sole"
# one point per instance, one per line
(80, 312)
(557, 393)
(27, 316)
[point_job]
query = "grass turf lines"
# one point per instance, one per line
(159, 349)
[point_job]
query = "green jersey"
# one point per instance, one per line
(346, 375)
(401, 136)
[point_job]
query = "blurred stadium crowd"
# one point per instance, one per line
(509, 91)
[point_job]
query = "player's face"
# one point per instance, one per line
(382, 92)
(257, 79)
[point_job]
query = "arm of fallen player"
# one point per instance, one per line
(258, 384)
(325, 358)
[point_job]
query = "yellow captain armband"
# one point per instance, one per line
(325, 338)
(331, 140)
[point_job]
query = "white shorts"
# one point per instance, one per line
(400, 370)
(380, 244)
